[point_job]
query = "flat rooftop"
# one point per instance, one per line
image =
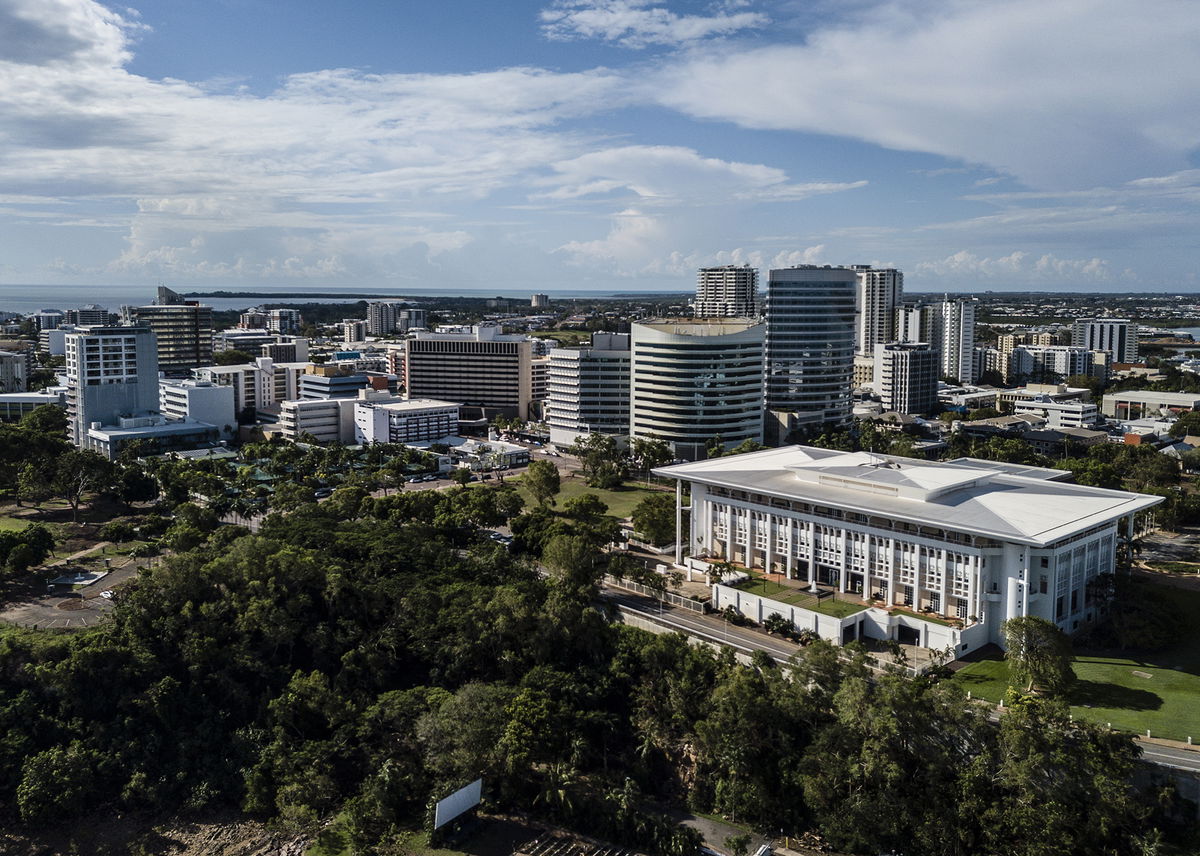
(411, 404)
(1026, 505)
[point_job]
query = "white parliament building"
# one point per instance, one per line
(965, 543)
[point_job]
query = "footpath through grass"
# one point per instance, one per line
(1112, 685)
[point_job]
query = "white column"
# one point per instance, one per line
(731, 526)
(843, 573)
(945, 581)
(890, 567)
(812, 556)
(791, 547)
(678, 522)
(767, 557)
(750, 539)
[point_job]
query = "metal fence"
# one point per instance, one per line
(666, 597)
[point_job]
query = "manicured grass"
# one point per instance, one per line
(1108, 691)
(798, 597)
(620, 501)
(924, 616)
(12, 524)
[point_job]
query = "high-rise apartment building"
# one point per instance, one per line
(952, 332)
(588, 389)
(480, 367)
(183, 330)
(1118, 336)
(90, 315)
(907, 376)
(285, 321)
(49, 319)
(694, 381)
(728, 291)
(353, 331)
(112, 372)
(539, 301)
(809, 347)
(878, 296)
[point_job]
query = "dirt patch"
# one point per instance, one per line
(222, 835)
(74, 603)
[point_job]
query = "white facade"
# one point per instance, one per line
(878, 294)
(1055, 362)
(410, 421)
(971, 541)
(13, 376)
(907, 376)
(952, 332)
(694, 380)
(258, 384)
(285, 321)
(198, 401)
(325, 420)
(1136, 404)
(1118, 336)
(112, 372)
(728, 291)
(1061, 414)
(588, 389)
(353, 331)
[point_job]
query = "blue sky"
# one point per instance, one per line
(599, 143)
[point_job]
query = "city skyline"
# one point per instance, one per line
(610, 144)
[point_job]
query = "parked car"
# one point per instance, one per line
(322, 492)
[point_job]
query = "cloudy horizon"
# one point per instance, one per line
(599, 144)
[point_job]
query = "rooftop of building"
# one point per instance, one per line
(715, 326)
(1024, 505)
(1187, 398)
(410, 404)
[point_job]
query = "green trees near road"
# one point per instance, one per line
(372, 660)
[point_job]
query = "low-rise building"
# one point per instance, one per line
(1061, 414)
(972, 542)
(198, 401)
(1139, 403)
(14, 405)
(410, 421)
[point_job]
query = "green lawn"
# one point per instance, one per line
(798, 597)
(620, 501)
(924, 616)
(12, 524)
(1107, 689)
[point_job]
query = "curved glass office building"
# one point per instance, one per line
(695, 379)
(809, 348)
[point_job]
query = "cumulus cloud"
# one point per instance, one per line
(639, 24)
(1015, 266)
(1058, 94)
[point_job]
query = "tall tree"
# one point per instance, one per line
(542, 481)
(1039, 654)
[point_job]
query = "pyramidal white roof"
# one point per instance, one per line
(1027, 505)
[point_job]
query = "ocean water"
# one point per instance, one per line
(30, 298)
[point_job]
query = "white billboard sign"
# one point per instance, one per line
(463, 799)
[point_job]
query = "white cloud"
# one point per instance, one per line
(1016, 266)
(1060, 94)
(638, 24)
(672, 173)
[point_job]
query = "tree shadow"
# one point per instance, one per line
(1096, 694)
